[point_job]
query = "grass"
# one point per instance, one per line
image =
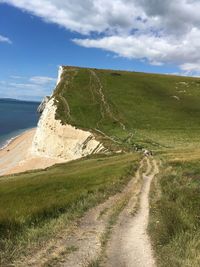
(143, 103)
(125, 110)
(55, 260)
(175, 214)
(159, 112)
(32, 203)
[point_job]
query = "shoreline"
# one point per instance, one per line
(8, 142)
(16, 151)
(16, 156)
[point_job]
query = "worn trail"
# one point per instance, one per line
(80, 244)
(130, 245)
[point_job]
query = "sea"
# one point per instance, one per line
(16, 116)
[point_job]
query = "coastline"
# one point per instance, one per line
(17, 134)
(16, 157)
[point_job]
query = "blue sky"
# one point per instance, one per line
(35, 38)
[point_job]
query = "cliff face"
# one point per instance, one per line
(54, 140)
(43, 104)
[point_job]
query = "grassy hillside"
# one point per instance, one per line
(34, 204)
(161, 112)
(158, 111)
(133, 109)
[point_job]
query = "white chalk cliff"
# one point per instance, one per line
(54, 140)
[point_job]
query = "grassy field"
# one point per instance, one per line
(175, 212)
(157, 111)
(33, 203)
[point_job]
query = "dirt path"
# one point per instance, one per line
(105, 105)
(130, 245)
(80, 244)
(62, 98)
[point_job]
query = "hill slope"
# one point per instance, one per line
(160, 112)
(153, 108)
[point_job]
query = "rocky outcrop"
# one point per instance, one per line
(43, 104)
(54, 140)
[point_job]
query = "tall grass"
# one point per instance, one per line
(33, 203)
(175, 215)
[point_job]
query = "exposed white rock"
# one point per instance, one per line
(60, 72)
(43, 104)
(54, 140)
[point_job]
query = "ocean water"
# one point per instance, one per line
(15, 117)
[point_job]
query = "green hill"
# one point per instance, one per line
(125, 110)
(134, 108)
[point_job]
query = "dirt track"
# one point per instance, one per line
(130, 245)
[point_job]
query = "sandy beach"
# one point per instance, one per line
(16, 156)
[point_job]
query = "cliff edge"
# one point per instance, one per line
(54, 140)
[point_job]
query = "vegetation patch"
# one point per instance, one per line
(175, 214)
(134, 109)
(35, 204)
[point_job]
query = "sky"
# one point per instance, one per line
(36, 37)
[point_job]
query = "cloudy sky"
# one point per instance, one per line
(142, 35)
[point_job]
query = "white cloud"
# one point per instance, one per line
(118, 16)
(22, 85)
(34, 88)
(159, 31)
(23, 91)
(4, 39)
(83, 16)
(16, 77)
(156, 49)
(42, 80)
